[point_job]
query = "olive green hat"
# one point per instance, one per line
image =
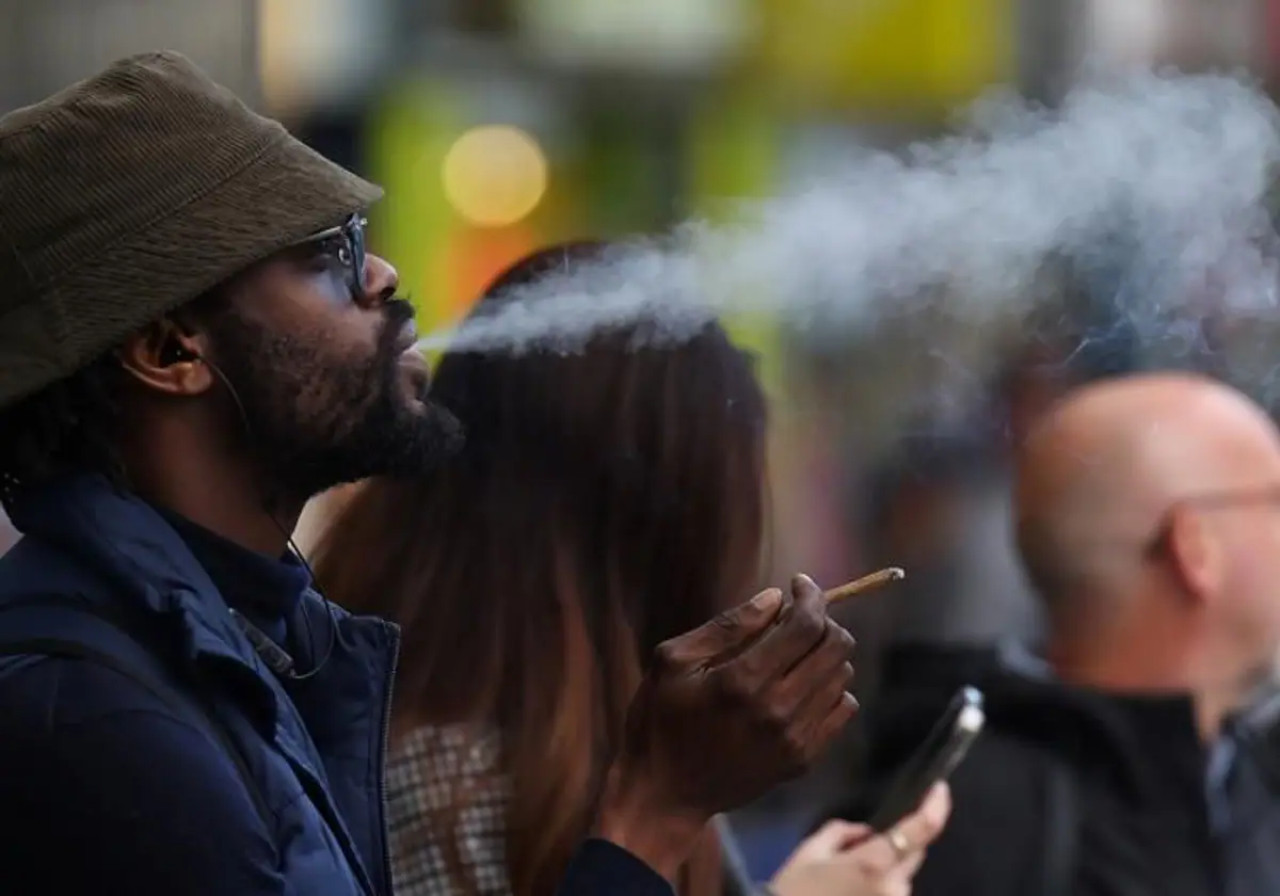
(132, 193)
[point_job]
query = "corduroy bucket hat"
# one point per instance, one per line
(133, 192)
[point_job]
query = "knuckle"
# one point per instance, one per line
(846, 676)
(810, 625)
(805, 589)
(847, 709)
(731, 685)
(827, 692)
(773, 717)
(847, 643)
(725, 619)
(879, 861)
(835, 721)
(799, 748)
(836, 642)
(931, 825)
(847, 833)
(666, 657)
(831, 827)
(776, 717)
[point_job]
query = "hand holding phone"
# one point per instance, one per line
(846, 859)
(935, 760)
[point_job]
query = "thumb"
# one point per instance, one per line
(730, 632)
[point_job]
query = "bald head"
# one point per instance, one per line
(1097, 476)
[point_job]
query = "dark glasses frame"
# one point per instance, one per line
(352, 230)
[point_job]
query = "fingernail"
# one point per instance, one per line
(800, 579)
(765, 598)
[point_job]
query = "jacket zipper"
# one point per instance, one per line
(384, 749)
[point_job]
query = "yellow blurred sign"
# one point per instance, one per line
(734, 155)
(444, 261)
(933, 53)
(409, 135)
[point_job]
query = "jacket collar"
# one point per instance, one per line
(127, 542)
(333, 725)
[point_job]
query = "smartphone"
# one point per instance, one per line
(934, 761)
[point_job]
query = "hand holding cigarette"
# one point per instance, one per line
(725, 713)
(728, 711)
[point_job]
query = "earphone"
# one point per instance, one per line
(175, 352)
(275, 656)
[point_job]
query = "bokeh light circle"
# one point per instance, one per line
(495, 175)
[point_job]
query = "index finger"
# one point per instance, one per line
(834, 837)
(728, 634)
(800, 629)
(913, 834)
(923, 826)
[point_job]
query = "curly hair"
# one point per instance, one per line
(72, 426)
(69, 426)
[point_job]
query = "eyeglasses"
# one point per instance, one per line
(1212, 501)
(345, 243)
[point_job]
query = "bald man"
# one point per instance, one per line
(1148, 518)
(1133, 753)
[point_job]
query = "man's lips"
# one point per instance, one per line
(408, 339)
(410, 359)
(414, 360)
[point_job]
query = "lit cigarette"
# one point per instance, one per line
(866, 583)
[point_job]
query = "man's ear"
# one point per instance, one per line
(1195, 554)
(164, 357)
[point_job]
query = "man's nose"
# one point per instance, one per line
(380, 280)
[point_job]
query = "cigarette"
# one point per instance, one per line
(866, 583)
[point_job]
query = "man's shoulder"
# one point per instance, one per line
(23, 558)
(34, 567)
(150, 803)
(44, 694)
(998, 839)
(1001, 778)
(45, 683)
(1005, 774)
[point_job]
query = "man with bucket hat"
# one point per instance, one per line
(194, 342)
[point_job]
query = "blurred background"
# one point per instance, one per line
(499, 125)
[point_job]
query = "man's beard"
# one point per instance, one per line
(315, 421)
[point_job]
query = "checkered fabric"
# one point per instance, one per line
(426, 772)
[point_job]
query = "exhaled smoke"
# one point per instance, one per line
(1155, 187)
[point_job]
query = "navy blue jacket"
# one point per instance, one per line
(247, 784)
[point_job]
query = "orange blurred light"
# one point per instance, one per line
(477, 256)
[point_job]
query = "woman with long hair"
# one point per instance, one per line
(604, 501)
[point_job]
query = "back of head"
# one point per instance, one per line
(603, 502)
(1148, 510)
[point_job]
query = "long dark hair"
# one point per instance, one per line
(604, 502)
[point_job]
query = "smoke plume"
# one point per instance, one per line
(1154, 190)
